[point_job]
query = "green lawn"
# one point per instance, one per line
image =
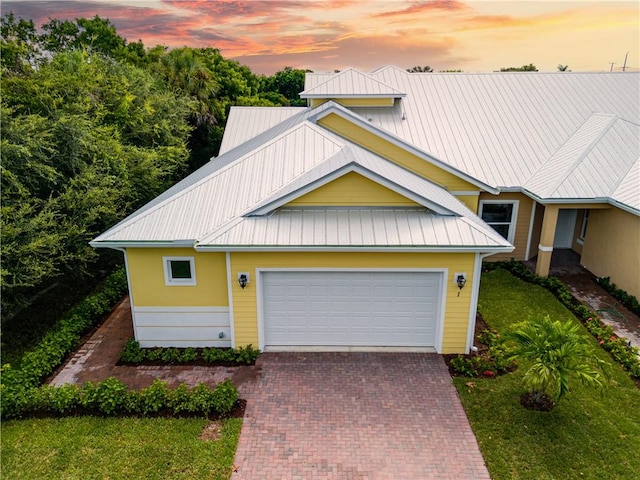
(590, 434)
(116, 448)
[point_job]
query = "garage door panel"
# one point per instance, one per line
(351, 308)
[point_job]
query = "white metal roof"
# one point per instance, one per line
(206, 205)
(557, 136)
(253, 121)
(357, 227)
(351, 83)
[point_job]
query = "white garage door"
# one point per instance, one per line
(360, 309)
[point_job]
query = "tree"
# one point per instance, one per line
(85, 140)
(563, 68)
(289, 83)
(556, 353)
(418, 69)
(525, 68)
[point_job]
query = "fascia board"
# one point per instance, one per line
(142, 244)
(397, 141)
(361, 95)
(311, 248)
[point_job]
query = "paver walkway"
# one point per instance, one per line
(97, 360)
(356, 416)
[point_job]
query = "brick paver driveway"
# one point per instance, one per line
(356, 416)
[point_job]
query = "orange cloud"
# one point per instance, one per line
(422, 7)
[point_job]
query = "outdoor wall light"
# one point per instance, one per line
(221, 335)
(243, 279)
(460, 279)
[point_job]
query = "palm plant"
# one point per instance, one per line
(557, 353)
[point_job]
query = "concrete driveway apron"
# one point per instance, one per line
(356, 416)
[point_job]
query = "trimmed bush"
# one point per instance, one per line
(111, 397)
(132, 353)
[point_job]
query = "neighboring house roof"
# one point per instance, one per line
(353, 84)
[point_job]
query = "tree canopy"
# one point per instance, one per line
(93, 127)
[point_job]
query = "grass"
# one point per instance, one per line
(116, 448)
(591, 434)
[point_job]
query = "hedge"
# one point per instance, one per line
(133, 354)
(40, 362)
(111, 397)
(621, 351)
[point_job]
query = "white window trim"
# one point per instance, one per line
(583, 227)
(172, 282)
(514, 215)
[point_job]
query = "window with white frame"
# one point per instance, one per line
(501, 215)
(179, 270)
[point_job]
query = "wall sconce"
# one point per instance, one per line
(460, 279)
(243, 279)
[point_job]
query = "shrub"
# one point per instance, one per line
(623, 297)
(110, 397)
(132, 353)
(463, 365)
(556, 352)
(153, 398)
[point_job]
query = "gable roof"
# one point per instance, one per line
(353, 84)
(226, 197)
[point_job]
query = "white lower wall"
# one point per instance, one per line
(182, 326)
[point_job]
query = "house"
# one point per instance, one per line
(362, 220)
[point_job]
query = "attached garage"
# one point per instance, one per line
(351, 309)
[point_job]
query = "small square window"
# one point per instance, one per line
(179, 271)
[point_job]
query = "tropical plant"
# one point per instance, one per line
(557, 353)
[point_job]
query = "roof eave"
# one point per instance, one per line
(339, 248)
(119, 244)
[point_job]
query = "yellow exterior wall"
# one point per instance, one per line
(356, 102)
(146, 273)
(522, 224)
(245, 307)
(353, 189)
(394, 153)
(471, 201)
(611, 248)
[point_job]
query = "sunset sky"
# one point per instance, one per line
(325, 35)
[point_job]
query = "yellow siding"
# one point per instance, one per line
(148, 287)
(245, 308)
(394, 153)
(611, 248)
(356, 102)
(471, 201)
(522, 225)
(352, 189)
